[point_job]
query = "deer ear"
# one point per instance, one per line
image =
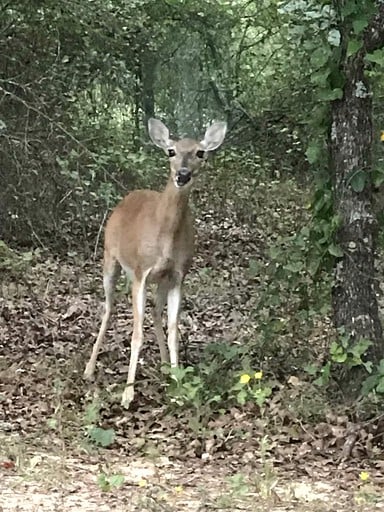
(159, 134)
(214, 136)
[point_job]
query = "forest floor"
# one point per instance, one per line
(159, 459)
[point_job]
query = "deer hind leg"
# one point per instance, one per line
(111, 274)
(138, 303)
(174, 300)
(160, 300)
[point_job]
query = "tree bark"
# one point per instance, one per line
(355, 289)
(354, 292)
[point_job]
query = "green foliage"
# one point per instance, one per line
(101, 436)
(109, 482)
(249, 388)
(375, 381)
(15, 262)
(210, 387)
(95, 434)
(343, 353)
(118, 64)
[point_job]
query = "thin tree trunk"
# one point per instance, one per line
(355, 289)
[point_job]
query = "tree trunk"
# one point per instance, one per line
(355, 289)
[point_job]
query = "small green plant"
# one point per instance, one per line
(367, 492)
(266, 479)
(97, 435)
(375, 381)
(238, 484)
(342, 351)
(54, 422)
(13, 262)
(215, 386)
(109, 482)
(101, 436)
(185, 387)
(238, 488)
(249, 388)
(207, 384)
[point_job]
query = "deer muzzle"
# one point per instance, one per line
(183, 176)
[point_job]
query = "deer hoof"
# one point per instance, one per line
(88, 372)
(127, 397)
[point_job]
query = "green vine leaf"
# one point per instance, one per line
(359, 25)
(330, 94)
(313, 152)
(376, 57)
(358, 181)
(320, 57)
(335, 250)
(354, 46)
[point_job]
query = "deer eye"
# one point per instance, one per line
(171, 153)
(200, 153)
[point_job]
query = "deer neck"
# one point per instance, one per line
(173, 208)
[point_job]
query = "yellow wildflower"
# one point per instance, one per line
(179, 488)
(259, 375)
(245, 378)
(142, 482)
(364, 475)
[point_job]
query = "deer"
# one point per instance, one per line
(150, 236)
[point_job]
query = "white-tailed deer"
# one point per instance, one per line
(150, 236)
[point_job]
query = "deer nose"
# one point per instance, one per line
(183, 175)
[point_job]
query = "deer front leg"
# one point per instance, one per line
(174, 301)
(160, 300)
(138, 302)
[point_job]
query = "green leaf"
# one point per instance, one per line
(359, 25)
(102, 482)
(334, 37)
(116, 480)
(320, 57)
(358, 181)
(294, 266)
(349, 8)
(320, 76)
(380, 386)
(377, 57)
(377, 178)
(311, 369)
(313, 152)
(380, 367)
(340, 358)
(336, 78)
(324, 377)
(335, 250)
(241, 397)
(369, 384)
(101, 436)
(354, 46)
(330, 94)
(360, 347)
(335, 348)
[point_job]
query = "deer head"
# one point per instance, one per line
(186, 155)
